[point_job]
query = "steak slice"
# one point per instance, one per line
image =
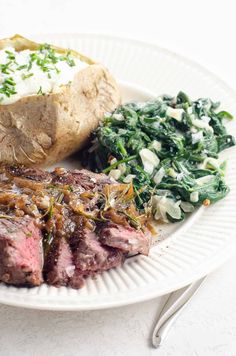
(125, 238)
(91, 257)
(34, 174)
(59, 267)
(20, 252)
(82, 178)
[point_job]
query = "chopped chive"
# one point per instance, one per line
(25, 76)
(23, 66)
(11, 55)
(40, 92)
(44, 57)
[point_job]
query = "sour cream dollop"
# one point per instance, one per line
(36, 72)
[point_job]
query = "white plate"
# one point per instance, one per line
(188, 250)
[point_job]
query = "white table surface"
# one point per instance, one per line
(205, 32)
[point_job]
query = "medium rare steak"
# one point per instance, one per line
(21, 257)
(91, 257)
(125, 238)
(86, 222)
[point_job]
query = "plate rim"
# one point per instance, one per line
(145, 43)
(115, 304)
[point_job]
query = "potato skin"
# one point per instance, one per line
(40, 130)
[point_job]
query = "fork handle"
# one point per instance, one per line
(171, 310)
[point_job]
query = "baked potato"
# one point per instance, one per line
(43, 128)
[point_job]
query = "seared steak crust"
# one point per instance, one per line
(59, 265)
(91, 257)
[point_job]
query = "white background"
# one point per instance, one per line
(204, 31)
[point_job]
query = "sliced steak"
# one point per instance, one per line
(34, 174)
(91, 257)
(82, 178)
(85, 215)
(59, 267)
(125, 238)
(20, 252)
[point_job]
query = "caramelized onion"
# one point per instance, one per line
(27, 183)
(59, 209)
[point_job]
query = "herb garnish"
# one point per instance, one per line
(23, 66)
(25, 76)
(5, 68)
(8, 87)
(40, 91)
(47, 241)
(45, 57)
(11, 55)
(29, 234)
